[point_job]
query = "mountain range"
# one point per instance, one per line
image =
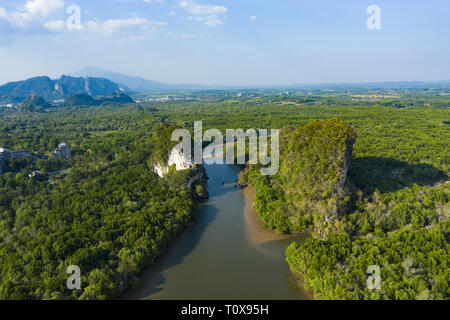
(135, 84)
(141, 85)
(95, 82)
(51, 90)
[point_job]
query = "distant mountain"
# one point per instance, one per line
(34, 103)
(136, 84)
(51, 90)
(81, 99)
(85, 100)
(116, 98)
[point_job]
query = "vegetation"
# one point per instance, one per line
(34, 103)
(55, 89)
(309, 190)
(110, 214)
(84, 100)
(414, 264)
(81, 99)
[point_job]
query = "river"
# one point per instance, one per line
(227, 254)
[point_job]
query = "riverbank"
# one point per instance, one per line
(259, 234)
(299, 281)
(219, 257)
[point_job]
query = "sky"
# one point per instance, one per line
(228, 42)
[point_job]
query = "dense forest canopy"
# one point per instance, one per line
(309, 190)
(106, 211)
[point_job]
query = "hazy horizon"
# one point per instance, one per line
(283, 85)
(228, 42)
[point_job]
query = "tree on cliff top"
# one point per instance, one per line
(313, 171)
(309, 189)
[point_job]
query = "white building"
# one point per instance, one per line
(4, 154)
(62, 152)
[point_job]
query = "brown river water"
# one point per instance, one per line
(226, 255)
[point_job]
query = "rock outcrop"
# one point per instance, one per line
(310, 190)
(178, 161)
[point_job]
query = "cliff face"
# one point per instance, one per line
(314, 170)
(309, 192)
(347, 160)
(197, 177)
(176, 158)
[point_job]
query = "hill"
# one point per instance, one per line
(34, 103)
(62, 88)
(116, 98)
(81, 99)
(309, 191)
(87, 100)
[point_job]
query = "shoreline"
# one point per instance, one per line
(256, 232)
(152, 270)
(259, 234)
(299, 281)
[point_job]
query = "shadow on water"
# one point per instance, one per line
(221, 181)
(215, 258)
(389, 175)
(153, 277)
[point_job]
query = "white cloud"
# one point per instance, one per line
(114, 25)
(211, 20)
(252, 17)
(56, 26)
(42, 7)
(206, 9)
(211, 15)
(34, 15)
(3, 13)
(32, 10)
(132, 29)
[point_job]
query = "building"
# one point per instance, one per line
(4, 154)
(20, 154)
(36, 175)
(62, 152)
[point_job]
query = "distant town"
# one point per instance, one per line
(63, 151)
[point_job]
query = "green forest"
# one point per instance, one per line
(106, 211)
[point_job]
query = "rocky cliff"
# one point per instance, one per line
(175, 158)
(309, 192)
(168, 165)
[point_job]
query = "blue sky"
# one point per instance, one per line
(228, 42)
